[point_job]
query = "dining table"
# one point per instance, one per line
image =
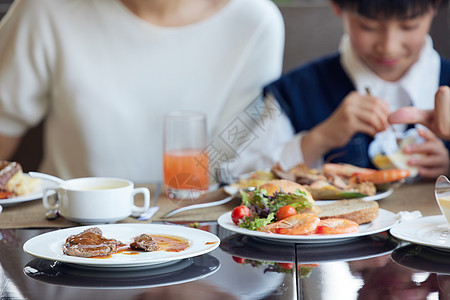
(242, 266)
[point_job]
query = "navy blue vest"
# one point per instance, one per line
(310, 93)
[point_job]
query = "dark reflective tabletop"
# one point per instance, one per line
(242, 267)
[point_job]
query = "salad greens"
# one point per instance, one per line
(263, 207)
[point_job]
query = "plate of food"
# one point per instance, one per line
(16, 186)
(331, 182)
(284, 211)
(121, 246)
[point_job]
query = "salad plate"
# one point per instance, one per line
(49, 246)
(431, 231)
(383, 222)
(36, 194)
(185, 270)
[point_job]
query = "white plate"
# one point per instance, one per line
(1, 208)
(383, 222)
(36, 194)
(429, 231)
(49, 245)
(376, 197)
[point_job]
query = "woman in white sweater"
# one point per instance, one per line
(104, 72)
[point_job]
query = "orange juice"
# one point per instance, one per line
(186, 170)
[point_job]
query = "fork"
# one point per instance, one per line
(396, 133)
(232, 193)
(196, 206)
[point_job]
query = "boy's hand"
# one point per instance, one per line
(356, 113)
(434, 160)
(437, 120)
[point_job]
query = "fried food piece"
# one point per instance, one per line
(144, 242)
(299, 224)
(90, 243)
(7, 171)
(336, 226)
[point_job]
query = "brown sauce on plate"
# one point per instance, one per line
(171, 243)
(166, 243)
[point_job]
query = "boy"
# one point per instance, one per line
(337, 103)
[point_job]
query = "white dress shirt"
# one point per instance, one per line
(103, 78)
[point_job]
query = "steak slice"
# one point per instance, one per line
(144, 242)
(90, 243)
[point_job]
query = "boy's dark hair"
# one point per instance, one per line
(386, 9)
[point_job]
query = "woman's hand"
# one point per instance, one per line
(434, 160)
(437, 120)
(356, 113)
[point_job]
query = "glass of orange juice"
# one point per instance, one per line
(185, 159)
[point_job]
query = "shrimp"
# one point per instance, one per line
(6, 194)
(336, 226)
(382, 176)
(304, 223)
(345, 170)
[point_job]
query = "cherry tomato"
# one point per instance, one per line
(239, 260)
(286, 211)
(287, 266)
(239, 212)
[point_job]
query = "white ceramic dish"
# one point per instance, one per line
(432, 231)
(49, 245)
(1, 208)
(383, 222)
(36, 194)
